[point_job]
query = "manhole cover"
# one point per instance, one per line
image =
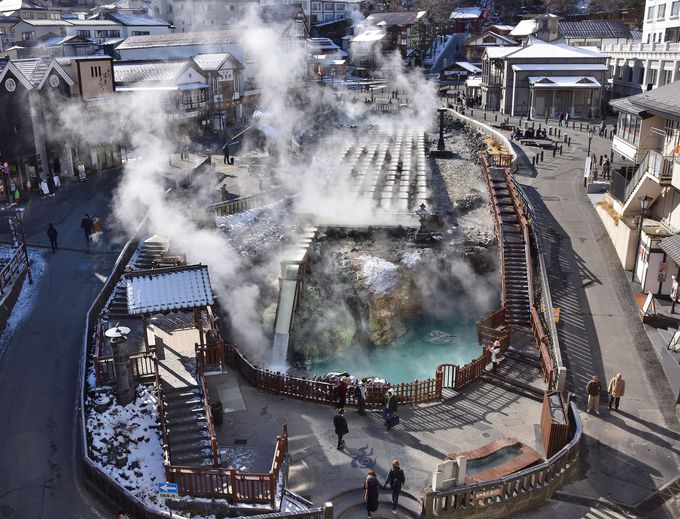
(486, 435)
(240, 441)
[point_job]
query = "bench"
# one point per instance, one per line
(539, 143)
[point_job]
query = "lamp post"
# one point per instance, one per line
(19, 214)
(590, 139)
(644, 203)
(531, 101)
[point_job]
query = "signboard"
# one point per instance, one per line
(649, 302)
(226, 75)
(167, 490)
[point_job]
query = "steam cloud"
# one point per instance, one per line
(139, 119)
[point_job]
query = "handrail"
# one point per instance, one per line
(244, 203)
(209, 419)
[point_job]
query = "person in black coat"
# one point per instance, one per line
(86, 225)
(52, 235)
(371, 492)
(340, 424)
(395, 479)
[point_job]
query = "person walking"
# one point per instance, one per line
(371, 492)
(606, 168)
(52, 235)
(395, 479)
(225, 150)
(616, 389)
(360, 395)
(561, 119)
(566, 119)
(593, 389)
(391, 407)
(603, 127)
(340, 424)
(86, 225)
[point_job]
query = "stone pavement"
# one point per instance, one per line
(319, 472)
(629, 454)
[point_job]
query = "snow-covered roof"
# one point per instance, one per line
(560, 66)
(214, 61)
(147, 70)
(369, 36)
(499, 52)
(179, 38)
(524, 28)
(171, 289)
(142, 20)
(498, 27)
(564, 82)
(466, 13)
(396, 17)
(551, 50)
(468, 66)
(93, 22)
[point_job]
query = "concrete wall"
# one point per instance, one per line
(622, 236)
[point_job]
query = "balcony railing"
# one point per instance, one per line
(641, 47)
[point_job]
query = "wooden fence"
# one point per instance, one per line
(11, 270)
(226, 483)
(142, 366)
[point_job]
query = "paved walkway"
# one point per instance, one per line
(631, 453)
(39, 380)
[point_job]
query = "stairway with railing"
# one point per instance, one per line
(654, 170)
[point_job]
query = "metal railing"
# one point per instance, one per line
(244, 203)
(11, 270)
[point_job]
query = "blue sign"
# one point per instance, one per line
(167, 488)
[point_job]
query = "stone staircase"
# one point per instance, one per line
(187, 426)
(514, 256)
(351, 505)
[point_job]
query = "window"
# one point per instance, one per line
(96, 71)
(250, 84)
(339, 7)
(328, 7)
(651, 80)
(667, 77)
(675, 8)
(140, 33)
(28, 35)
(85, 33)
(650, 13)
(672, 34)
(115, 33)
(661, 12)
(316, 6)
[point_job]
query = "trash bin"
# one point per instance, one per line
(217, 412)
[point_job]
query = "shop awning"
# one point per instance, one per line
(671, 246)
(564, 82)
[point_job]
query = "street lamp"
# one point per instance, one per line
(591, 132)
(644, 204)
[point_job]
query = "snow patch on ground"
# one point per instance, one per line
(24, 305)
(412, 258)
(380, 275)
(129, 431)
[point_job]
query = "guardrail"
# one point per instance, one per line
(513, 492)
(244, 203)
(11, 270)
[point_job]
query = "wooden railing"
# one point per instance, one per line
(11, 269)
(541, 340)
(142, 366)
(513, 492)
(244, 203)
(226, 483)
(209, 419)
(161, 415)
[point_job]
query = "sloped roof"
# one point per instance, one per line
(33, 69)
(179, 38)
(46, 23)
(671, 246)
(396, 17)
(133, 20)
(214, 61)
(480, 38)
(594, 29)
(663, 101)
(92, 22)
(499, 52)
(132, 72)
(466, 13)
(560, 50)
(15, 5)
(524, 28)
(165, 290)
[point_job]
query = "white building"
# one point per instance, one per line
(209, 15)
(654, 62)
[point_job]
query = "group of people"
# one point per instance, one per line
(529, 133)
(50, 185)
(395, 480)
(615, 390)
(87, 224)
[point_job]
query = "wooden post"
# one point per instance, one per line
(198, 322)
(328, 510)
(234, 490)
(146, 335)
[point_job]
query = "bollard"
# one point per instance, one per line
(485, 116)
(565, 137)
(539, 126)
(472, 112)
(559, 133)
(550, 131)
(560, 151)
(601, 157)
(569, 142)
(580, 126)
(554, 151)
(573, 127)
(533, 160)
(533, 123)
(495, 118)
(541, 155)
